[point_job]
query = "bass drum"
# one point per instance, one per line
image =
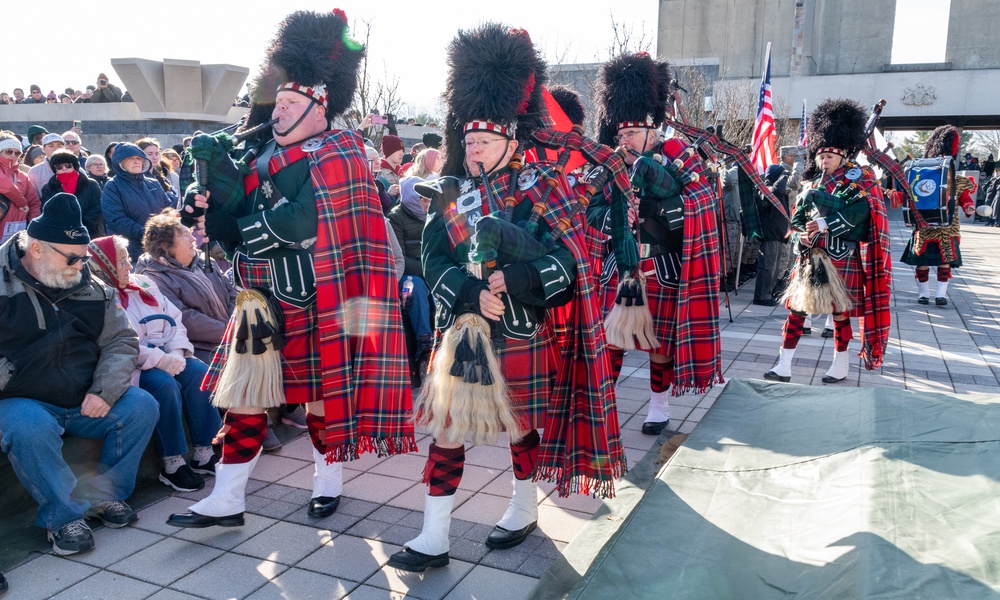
(931, 189)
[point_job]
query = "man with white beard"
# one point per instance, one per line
(66, 356)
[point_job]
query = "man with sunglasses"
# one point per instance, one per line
(66, 356)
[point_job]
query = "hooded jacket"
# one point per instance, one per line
(129, 200)
(19, 203)
(59, 345)
(88, 194)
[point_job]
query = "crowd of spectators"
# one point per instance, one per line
(100, 91)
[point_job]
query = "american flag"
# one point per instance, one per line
(803, 137)
(762, 152)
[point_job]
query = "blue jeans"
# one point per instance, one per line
(181, 396)
(420, 307)
(31, 434)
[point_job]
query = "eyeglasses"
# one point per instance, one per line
(10, 152)
(35, 92)
(484, 144)
(72, 142)
(71, 259)
(628, 135)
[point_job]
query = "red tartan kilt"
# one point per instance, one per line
(300, 356)
(529, 368)
(853, 277)
(662, 306)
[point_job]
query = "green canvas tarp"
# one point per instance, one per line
(787, 491)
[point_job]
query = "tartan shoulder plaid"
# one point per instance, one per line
(362, 346)
(697, 347)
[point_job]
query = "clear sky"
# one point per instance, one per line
(77, 40)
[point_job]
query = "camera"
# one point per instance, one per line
(102, 82)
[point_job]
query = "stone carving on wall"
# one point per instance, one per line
(919, 95)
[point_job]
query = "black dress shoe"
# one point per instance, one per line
(408, 559)
(828, 379)
(768, 302)
(922, 300)
(501, 538)
(194, 520)
(772, 376)
(941, 301)
(807, 330)
(3, 583)
(323, 506)
(653, 428)
(827, 333)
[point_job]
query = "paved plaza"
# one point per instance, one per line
(282, 553)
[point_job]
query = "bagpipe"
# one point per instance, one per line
(818, 287)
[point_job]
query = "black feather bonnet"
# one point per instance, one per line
(944, 141)
(495, 82)
(633, 90)
(313, 54)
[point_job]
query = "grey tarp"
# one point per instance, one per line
(787, 491)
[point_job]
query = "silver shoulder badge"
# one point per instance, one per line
(312, 144)
(853, 174)
(527, 178)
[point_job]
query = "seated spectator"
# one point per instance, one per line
(35, 134)
(51, 98)
(172, 261)
(66, 373)
(407, 220)
(64, 99)
(109, 151)
(42, 171)
(75, 145)
(32, 156)
(166, 368)
(97, 169)
(22, 202)
(18, 96)
(105, 92)
(159, 169)
(35, 96)
(131, 197)
(70, 178)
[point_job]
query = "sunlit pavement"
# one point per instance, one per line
(282, 553)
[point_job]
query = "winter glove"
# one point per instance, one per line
(222, 227)
(209, 147)
(520, 278)
(171, 364)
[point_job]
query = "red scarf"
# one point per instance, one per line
(68, 179)
(104, 264)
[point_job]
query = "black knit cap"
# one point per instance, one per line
(495, 77)
(61, 222)
(310, 49)
(61, 157)
(633, 90)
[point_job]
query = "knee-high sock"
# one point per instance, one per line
(617, 356)
(843, 333)
(923, 275)
(317, 428)
(524, 455)
(792, 330)
(244, 438)
(661, 375)
(444, 469)
(943, 273)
